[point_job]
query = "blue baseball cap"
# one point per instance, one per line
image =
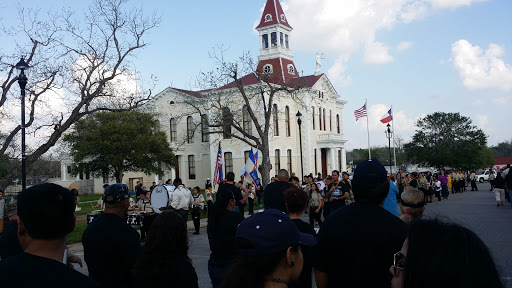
(271, 231)
(119, 192)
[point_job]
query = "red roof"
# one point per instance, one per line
(503, 160)
(274, 9)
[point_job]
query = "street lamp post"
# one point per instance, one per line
(299, 121)
(389, 135)
(22, 81)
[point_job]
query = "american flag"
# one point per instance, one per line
(217, 178)
(361, 112)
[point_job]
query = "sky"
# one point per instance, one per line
(418, 56)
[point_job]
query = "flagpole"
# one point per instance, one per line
(368, 129)
(393, 127)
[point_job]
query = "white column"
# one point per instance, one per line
(332, 165)
(343, 159)
(64, 172)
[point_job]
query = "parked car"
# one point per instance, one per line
(482, 176)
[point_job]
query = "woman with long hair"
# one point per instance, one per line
(221, 230)
(460, 260)
(163, 260)
(270, 255)
(316, 204)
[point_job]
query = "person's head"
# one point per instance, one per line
(45, 212)
(148, 195)
(104, 187)
(196, 190)
(269, 245)
(327, 180)
(154, 183)
(295, 181)
(240, 184)
(293, 174)
(335, 175)
(370, 182)
(167, 238)
(414, 175)
(272, 179)
(344, 175)
(296, 200)
(230, 177)
(412, 204)
(282, 175)
(463, 260)
(169, 181)
(310, 178)
(177, 182)
(392, 178)
(442, 171)
(314, 187)
(116, 199)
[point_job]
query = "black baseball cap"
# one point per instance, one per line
(271, 231)
(370, 171)
(118, 191)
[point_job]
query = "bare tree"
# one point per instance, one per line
(82, 61)
(236, 98)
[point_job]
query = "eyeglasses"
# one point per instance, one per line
(398, 262)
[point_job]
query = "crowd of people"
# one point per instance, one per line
(370, 234)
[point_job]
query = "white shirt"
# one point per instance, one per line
(181, 198)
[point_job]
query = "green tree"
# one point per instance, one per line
(112, 143)
(448, 139)
(503, 149)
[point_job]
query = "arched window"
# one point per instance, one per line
(330, 120)
(205, 136)
(325, 129)
(190, 130)
(320, 117)
(277, 160)
(247, 121)
(191, 167)
(313, 117)
(276, 120)
(172, 124)
(264, 40)
(338, 123)
(287, 120)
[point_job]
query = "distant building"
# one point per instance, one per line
(321, 107)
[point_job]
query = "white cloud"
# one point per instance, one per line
(404, 45)
(501, 100)
(377, 53)
(341, 28)
(336, 73)
(482, 121)
(480, 69)
(477, 103)
(450, 4)
(403, 123)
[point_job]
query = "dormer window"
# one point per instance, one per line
(268, 18)
(283, 18)
(291, 69)
(267, 69)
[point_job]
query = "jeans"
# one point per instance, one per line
(217, 273)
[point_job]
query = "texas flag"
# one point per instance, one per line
(387, 117)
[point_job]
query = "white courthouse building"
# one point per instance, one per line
(196, 148)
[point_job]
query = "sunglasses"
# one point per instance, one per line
(398, 262)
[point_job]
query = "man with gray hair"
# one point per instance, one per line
(273, 194)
